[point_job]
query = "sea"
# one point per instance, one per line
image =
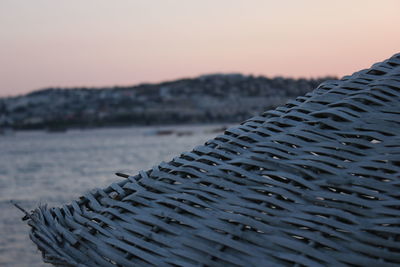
(53, 168)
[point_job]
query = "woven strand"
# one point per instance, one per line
(315, 182)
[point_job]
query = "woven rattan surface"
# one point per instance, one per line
(315, 182)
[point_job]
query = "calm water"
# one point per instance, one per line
(54, 168)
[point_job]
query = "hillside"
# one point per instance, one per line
(205, 99)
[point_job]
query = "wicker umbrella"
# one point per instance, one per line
(315, 182)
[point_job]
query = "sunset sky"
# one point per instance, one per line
(47, 43)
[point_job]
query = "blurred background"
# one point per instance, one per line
(90, 88)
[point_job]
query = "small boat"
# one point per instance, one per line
(56, 129)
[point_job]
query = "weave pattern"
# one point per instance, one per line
(313, 183)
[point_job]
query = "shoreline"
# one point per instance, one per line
(213, 125)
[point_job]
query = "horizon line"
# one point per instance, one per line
(158, 82)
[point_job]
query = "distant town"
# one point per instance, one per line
(216, 98)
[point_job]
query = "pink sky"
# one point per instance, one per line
(46, 43)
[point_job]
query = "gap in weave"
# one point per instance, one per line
(332, 116)
(374, 130)
(378, 97)
(348, 106)
(385, 92)
(376, 72)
